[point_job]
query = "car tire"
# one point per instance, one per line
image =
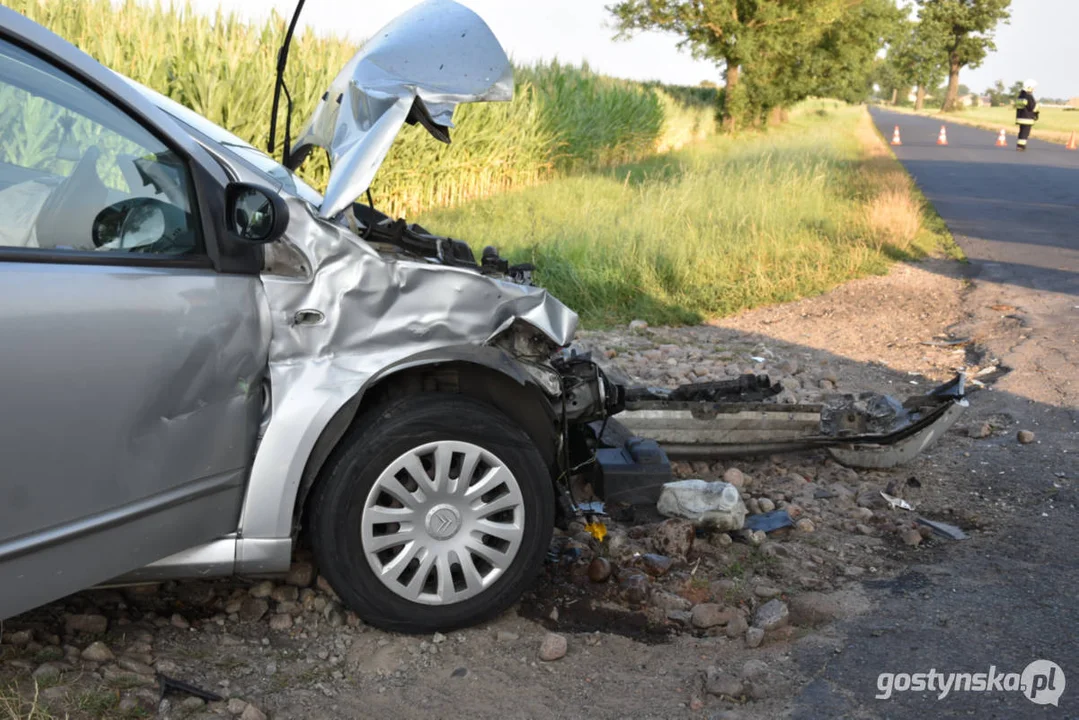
(434, 513)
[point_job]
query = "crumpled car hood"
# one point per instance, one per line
(420, 67)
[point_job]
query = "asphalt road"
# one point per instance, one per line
(1011, 596)
(1013, 213)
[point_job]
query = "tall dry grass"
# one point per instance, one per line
(893, 211)
(14, 705)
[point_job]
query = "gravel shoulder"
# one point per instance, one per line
(717, 626)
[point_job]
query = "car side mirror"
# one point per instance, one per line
(255, 214)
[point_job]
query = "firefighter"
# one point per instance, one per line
(1026, 113)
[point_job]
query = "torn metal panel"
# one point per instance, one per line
(378, 311)
(418, 68)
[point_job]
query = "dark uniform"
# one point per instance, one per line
(1026, 113)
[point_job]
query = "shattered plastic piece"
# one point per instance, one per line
(707, 504)
(168, 685)
(896, 502)
(595, 507)
(944, 529)
(869, 413)
(573, 553)
(598, 530)
(768, 522)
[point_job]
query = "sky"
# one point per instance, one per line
(1037, 44)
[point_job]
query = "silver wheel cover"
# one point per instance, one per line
(443, 522)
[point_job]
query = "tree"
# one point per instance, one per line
(842, 63)
(967, 27)
(918, 58)
(996, 94)
(888, 78)
(769, 49)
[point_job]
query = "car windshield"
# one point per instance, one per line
(262, 162)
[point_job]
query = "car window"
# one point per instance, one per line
(201, 128)
(78, 174)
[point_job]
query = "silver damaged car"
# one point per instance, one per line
(204, 360)
(204, 363)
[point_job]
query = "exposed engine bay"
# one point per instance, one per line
(390, 237)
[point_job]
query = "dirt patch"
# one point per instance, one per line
(900, 322)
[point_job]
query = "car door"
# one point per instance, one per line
(131, 371)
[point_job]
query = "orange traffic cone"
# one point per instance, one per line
(895, 137)
(1071, 143)
(942, 139)
(1002, 139)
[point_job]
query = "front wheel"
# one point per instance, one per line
(435, 513)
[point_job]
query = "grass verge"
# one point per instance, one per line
(725, 225)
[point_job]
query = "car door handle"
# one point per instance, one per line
(308, 317)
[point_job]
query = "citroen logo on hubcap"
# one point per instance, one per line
(443, 522)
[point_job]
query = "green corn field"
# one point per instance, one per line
(562, 118)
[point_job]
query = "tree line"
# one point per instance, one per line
(775, 53)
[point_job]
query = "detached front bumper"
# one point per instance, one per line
(624, 438)
(864, 431)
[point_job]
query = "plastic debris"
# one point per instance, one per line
(896, 502)
(944, 529)
(167, 685)
(597, 529)
(716, 505)
(596, 507)
(572, 554)
(767, 522)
